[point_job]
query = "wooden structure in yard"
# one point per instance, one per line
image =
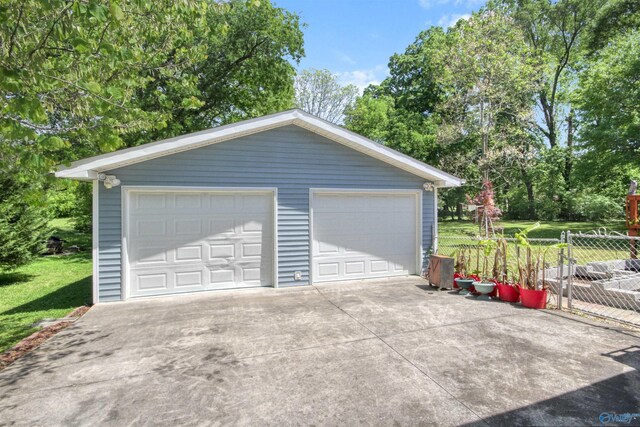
(633, 222)
(441, 270)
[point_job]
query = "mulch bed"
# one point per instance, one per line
(34, 340)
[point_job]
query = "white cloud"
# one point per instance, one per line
(363, 78)
(425, 4)
(447, 20)
(345, 58)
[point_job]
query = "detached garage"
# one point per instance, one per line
(282, 200)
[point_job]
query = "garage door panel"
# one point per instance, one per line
(188, 201)
(222, 226)
(149, 255)
(150, 201)
(152, 282)
(189, 279)
(151, 228)
(223, 278)
(251, 227)
(222, 204)
(360, 235)
(199, 241)
(379, 266)
(188, 253)
(354, 267)
(188, 227)
(328, 270)
(221, 249)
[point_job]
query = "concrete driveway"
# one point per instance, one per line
(381, 352)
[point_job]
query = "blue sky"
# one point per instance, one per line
(355, 38)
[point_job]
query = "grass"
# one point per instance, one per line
(454, 235)
(547, 230)
(49, 287)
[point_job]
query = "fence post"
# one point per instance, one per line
(434, 238)
(561, 272)
(571, 269)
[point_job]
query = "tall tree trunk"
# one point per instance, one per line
(568, 167)
(568, 160)
(531, 200)
(549, 120)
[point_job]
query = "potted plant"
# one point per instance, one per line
(484, 286)
(461, 280)
(507, 291)
(533, 292)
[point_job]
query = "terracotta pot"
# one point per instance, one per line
(507, 292)
(533, 298)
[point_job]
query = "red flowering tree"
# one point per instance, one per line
(485, 204)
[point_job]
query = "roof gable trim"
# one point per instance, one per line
(87, 169)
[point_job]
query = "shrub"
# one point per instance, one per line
(62, 202)
(23, 223)
(596, 207)
(83, 211)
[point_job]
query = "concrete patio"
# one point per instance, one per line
(384, 352)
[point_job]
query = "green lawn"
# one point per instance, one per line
(49, 287)
(455, 235)
(547, 230)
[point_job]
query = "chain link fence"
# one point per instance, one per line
(547, 249)
(596, 274)
(605, 276)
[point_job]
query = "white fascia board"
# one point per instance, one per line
(87, 169)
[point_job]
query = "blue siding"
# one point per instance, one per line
(289, 158)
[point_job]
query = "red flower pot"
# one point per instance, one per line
(507, 292)
(456, 276)
(494, 292)
(533, 298)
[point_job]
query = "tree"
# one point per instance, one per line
(318, 92)
(415, 76)
(71, 70)
(610, 131)
(557, 32)
(614, 18)
(490, 81)
(245, 71)
(23, 222)
(83, 78)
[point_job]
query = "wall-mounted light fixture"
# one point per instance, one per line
(109, 181)
(428, 186)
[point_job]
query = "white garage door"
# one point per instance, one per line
(185, 241)
(363, 235)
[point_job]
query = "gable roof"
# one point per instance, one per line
(88, 169)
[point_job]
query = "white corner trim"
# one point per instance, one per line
(86, 169)
(95, 241)
(275, 237)
(420, 233)
(434, 238)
